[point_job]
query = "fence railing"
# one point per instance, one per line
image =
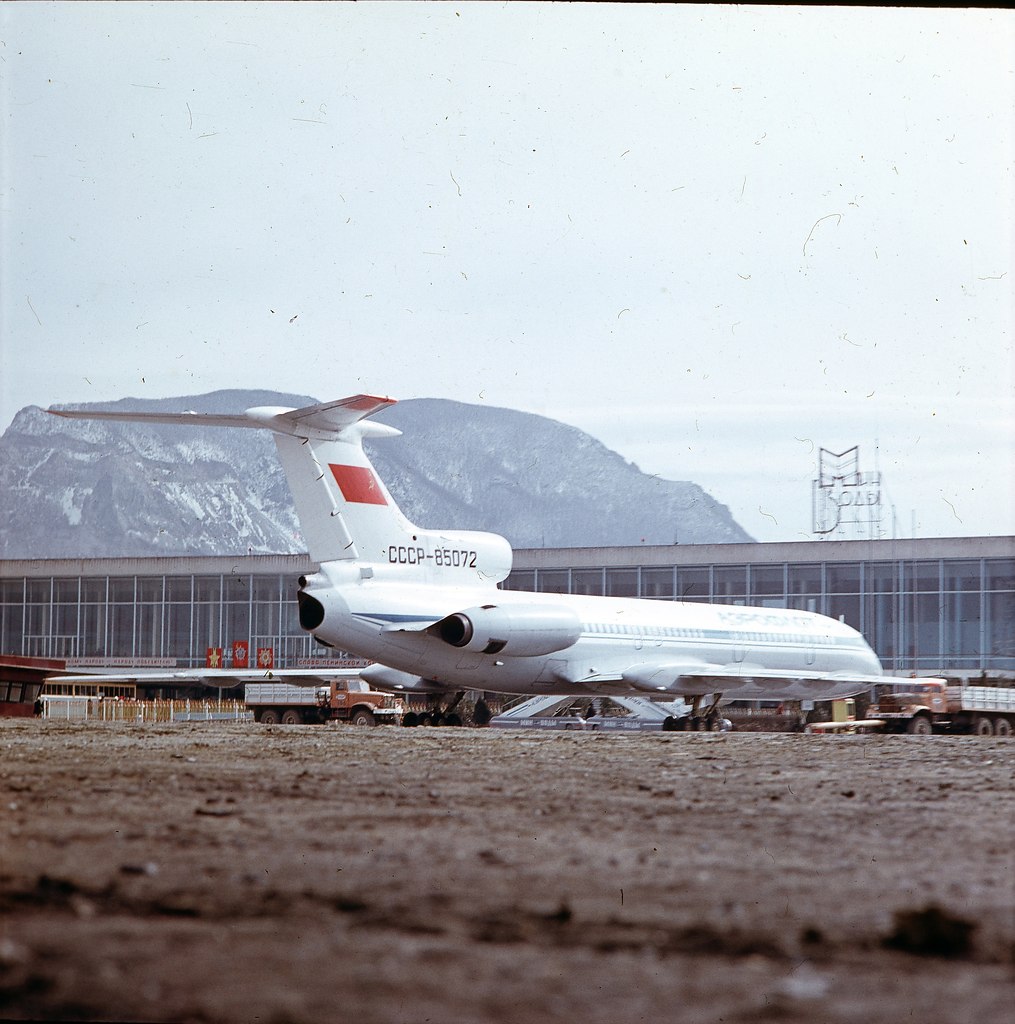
(99, 709)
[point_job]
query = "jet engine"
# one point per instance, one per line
(523, 630)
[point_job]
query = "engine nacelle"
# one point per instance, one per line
(524, 630)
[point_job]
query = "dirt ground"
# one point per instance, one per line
(237, 872)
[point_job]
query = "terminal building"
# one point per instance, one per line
(927, 606)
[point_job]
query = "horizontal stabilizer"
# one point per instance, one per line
(324, 421)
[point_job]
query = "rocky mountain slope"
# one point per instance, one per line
(73, 488)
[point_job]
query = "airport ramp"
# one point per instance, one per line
(622, 714)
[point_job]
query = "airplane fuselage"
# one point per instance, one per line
(618, 645)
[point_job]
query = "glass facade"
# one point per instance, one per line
(926, 615)
(922, 615)
(155, 621)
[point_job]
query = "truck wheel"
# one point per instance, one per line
(919, 725)
(291, 717)
(1002, 727)
(269, 716)
(983, 726)
(363, 717)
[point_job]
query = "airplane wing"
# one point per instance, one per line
(221, 678)
(739, 680)
(391, 680)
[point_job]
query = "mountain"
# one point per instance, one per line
(79, 489)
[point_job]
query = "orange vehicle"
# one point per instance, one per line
(923, 706)
(346, 700)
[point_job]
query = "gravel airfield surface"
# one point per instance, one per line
(237, 872)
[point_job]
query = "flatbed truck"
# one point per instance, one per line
(925, 706)
(342, 700)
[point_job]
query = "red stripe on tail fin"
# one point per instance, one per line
(358, 484)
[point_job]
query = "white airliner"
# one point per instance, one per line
(425, 606)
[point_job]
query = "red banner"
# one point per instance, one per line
(213, 659)
(241, 653)
(265, 657)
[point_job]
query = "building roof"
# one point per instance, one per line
(798, 552)
(757, 553)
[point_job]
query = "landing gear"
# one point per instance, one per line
(698, 721)
(435, 714)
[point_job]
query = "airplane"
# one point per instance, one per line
(425, 607)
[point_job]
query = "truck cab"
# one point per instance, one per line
(909, 705)
(354, 701)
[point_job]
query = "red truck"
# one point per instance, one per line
(345, 700)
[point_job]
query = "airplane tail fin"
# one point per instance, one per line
(346, 512)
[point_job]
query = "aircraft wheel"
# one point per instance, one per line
(269, 716)
(919, 725)
(481, 714)
(983, 726)
(1002, 727)
(291, 717)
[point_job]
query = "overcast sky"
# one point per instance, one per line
(716, 238)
